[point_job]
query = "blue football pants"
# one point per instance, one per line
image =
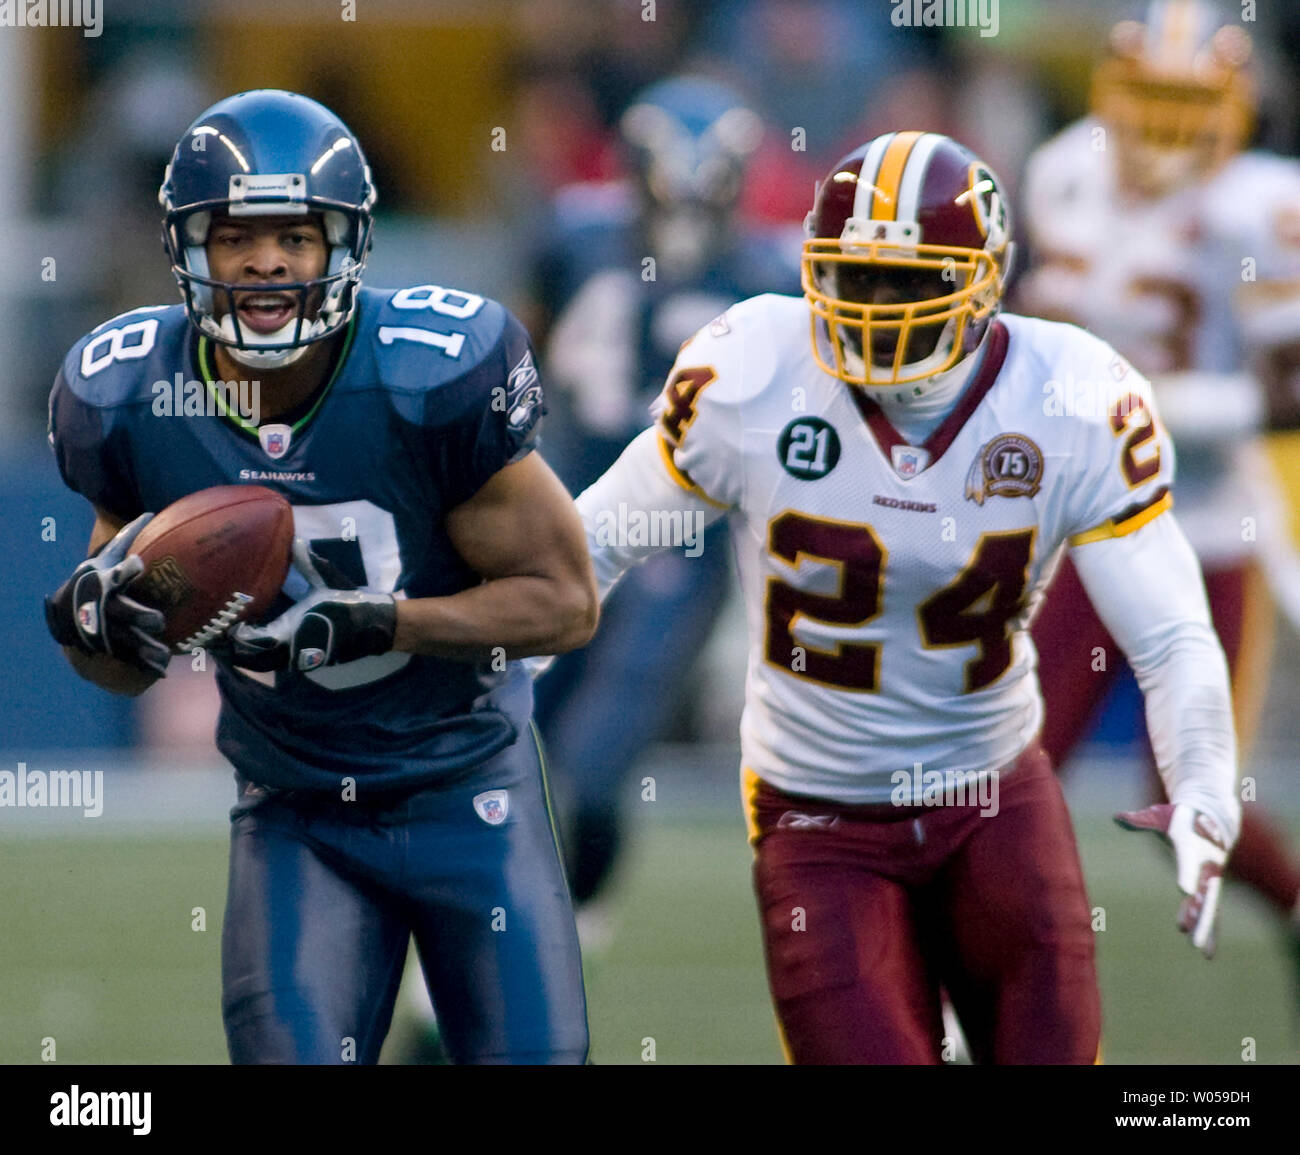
(324, 895)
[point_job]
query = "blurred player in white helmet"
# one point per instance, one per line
(1152, 228)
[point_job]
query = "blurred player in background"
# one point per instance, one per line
(389, 783)
(630, 269)
(897, 498)
(1154, 230)
(634, 268)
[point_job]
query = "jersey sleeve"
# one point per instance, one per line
(1122, 456)
(1147, 589)
(698, 415)
(500, 408)
(87, 448)
(1267, 303)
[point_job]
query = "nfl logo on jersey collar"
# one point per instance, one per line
(275, 439)
(909, 460)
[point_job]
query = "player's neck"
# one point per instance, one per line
(917, 415)
(281, 390)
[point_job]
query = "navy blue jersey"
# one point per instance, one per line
(619, 322)
(433, 392)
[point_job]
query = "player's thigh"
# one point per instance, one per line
(492, 917)
(1019, 961)
(845, 964)
(311, 959)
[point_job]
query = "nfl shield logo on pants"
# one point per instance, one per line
(492, 806)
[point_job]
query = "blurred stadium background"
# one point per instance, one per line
(97, 949)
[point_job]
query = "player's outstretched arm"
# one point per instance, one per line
(521, 534)
(1147, 588)
(110, 639)
(637, 486)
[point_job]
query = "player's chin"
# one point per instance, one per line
(884, 347)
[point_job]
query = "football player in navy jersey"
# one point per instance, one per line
(633, 269)
(389, 782)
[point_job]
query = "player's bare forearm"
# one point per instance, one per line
(109, 673)
(522, 615)
(522, 535)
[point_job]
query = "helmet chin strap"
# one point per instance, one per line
(275, 356)
(269, 359)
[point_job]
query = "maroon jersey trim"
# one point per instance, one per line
(937, 443)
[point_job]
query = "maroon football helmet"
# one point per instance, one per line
(906, 259)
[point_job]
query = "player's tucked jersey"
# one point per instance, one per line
(1168, 283)
(621, 317)
(888, 586)
(434, 391)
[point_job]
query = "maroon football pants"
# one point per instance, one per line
(1072, 643)
(867, 911)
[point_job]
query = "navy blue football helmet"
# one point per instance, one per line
(689, 140)
(268, 153)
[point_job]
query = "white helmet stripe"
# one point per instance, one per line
(870, 172)
(909, 188)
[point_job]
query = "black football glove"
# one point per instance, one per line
(90, 613)
(326, 627)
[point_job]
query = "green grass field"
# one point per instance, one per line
(98, 953)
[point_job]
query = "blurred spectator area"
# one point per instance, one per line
(89, 123)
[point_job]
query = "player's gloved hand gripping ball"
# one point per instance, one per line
(90, 613)
(1200, 850)
(327, 626)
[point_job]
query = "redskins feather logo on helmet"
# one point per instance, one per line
(905, 265)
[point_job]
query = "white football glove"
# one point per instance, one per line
(1200, 851)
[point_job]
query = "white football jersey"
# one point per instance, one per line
(888, 587)
(1166, 282)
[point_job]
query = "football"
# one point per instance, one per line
(212, 559)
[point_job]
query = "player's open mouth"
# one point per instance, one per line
(266, 312)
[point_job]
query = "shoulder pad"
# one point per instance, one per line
(425, 337)
(118, 362)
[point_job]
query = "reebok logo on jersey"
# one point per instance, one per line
(492, 806)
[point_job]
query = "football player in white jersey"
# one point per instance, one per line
(1155, 232)
(900, 478)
